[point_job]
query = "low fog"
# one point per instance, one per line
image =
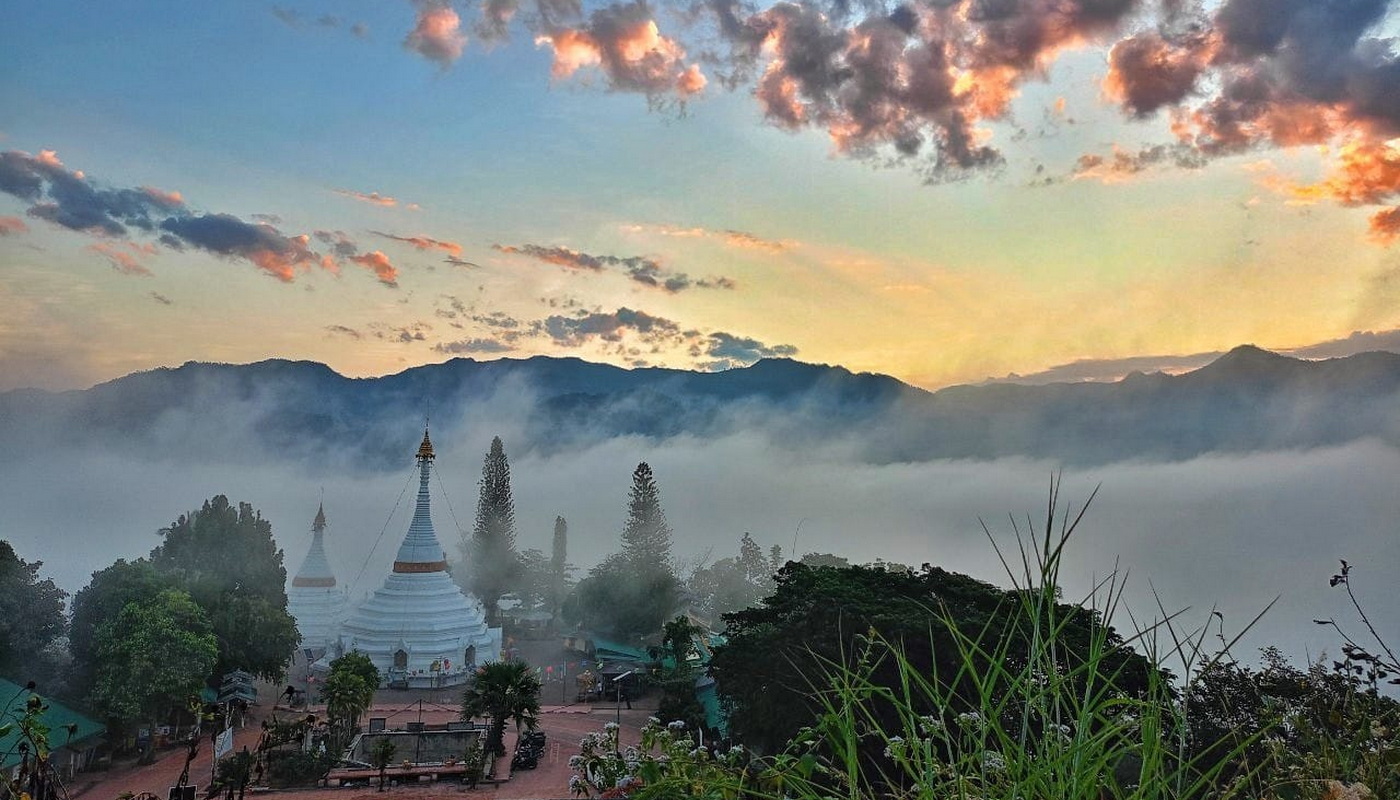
(1225, 532)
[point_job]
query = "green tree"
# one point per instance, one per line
(533, 586)
(225, 557)
(151, 656)
(31, 618)
(816, 619)
(348, 692)
(380, 755)
(503, 691)
(109, 591)
(632, 593)
(737, 582)
(678, 701)
(621, 602)
(559, 568)
(493, 567)
(646, 537)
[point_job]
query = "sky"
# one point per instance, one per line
(945, 191)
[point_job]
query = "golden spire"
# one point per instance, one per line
(425, 450)
(319, 523)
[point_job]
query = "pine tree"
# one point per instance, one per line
(646, 539)
(492, 563)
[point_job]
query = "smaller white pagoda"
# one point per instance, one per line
(315, 600)
(419, 629)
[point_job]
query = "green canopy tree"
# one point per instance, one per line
(678, 700)
(109, 591)
(152, 656)
(814, 621)
(348, 692)
(736, 582)
(492, 567)
(503, 691)
(31, 618)
(227, 560)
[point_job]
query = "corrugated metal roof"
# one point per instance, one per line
(58, 717)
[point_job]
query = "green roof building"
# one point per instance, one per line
(72, 736)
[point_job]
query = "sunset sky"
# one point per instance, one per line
(945, 191)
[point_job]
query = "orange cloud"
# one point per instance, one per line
(124, 257)
(12, 225)
(626, 44)
(1366, 173)
(164, 198)
(379, 264)
(425, 243)
(1385, 225)
(437, 36)
(283, 261)
(373, 197)
(730, 237)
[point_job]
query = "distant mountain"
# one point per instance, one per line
(1247, 400)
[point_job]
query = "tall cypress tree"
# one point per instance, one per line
(646, 538)
(492, 564)
(558, 566)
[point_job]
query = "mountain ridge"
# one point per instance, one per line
(1248, 399)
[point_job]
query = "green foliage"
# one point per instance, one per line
(618, 601)
(737, 582)
(492, 564)
(677, 679)
(151, 656)
(667, 765)
(298, 767)
(233, 771)
(503, 691)
(225, 557)
(348, 692)
(1281, 729)
(31, 618)
(109, 591)
(381, 755)
(473, 762)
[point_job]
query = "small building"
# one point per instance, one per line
(73, 738)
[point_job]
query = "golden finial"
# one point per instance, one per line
(425, 450)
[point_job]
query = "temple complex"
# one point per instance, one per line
(315, 600)
(419, 628)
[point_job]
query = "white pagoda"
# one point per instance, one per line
(315, 601)
(419, 629)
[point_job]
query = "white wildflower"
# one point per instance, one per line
(992, 761)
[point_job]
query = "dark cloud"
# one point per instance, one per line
(343, 330)
(646, 271)
(293, 19)
(1123, 164)
(228, 236)
(460, 262)
(465, 346)
(405, 334)
(69, 199)
(609, 327)
(162, 299)
(497, 319)
(727, 351)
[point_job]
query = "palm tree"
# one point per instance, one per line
(503, 691)
(347, 696)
